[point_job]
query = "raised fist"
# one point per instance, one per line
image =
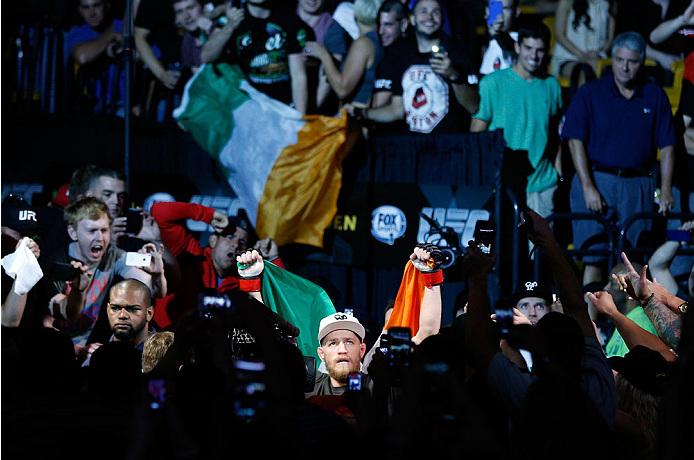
(427, 258)
(250, 264)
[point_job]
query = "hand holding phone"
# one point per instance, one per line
(504, 321)
(525, 222)
(136, 259)
(495, 10)
(133, 221)
(399, 346)
(61, 271)
(485, 235)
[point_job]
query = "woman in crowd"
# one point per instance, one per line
(354, 82)
(583, 30)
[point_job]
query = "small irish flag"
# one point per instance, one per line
(285, 168)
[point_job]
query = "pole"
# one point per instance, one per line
(128, 57)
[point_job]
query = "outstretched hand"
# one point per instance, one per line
(537, 229)
(604, 303)
(635, 284)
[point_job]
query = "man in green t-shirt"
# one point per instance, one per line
(526, 104)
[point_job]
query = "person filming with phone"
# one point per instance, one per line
(429, 79)
(83, 271)
(564, 347)
(499, 53)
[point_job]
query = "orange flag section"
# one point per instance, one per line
(408, 303)
(300, 196)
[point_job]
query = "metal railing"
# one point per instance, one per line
(654, 217)
(608, 252)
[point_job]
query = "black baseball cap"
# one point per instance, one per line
(19, 215)
(532, 288)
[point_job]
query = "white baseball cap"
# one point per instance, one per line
(338, 321)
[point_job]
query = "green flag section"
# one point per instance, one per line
(285, 168)
(298, 301)
(207, 95)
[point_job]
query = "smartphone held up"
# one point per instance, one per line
(485, 235)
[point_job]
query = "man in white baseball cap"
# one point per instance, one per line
(342, 347)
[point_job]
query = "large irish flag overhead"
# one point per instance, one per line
(285, 168)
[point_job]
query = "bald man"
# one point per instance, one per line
(130, 311)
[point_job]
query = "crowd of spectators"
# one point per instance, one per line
(225, 374)
(104, 326)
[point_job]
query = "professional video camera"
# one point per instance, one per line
(446, 239)
(230, 306)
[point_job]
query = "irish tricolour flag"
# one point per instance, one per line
(285, 168)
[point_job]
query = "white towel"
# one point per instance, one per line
(23, 267)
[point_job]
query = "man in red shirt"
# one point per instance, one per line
(213, 267)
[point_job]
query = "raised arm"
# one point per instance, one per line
(657, 307)
(72, 305)
(214, 46)
(668, 28)
(299, 80)
(87, 51)
(344, 82)
(659, 264)
(479, 336)
(13, 304)
(427, 259)
(150, 233)
(632, 333)
(155, 270)
(250, 267)
(666, 322)
(171, 217)
(566, 281)
(13, 307)
(465, 93)
(146, 53)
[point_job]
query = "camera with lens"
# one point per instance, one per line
(447, 240)
(229, 306)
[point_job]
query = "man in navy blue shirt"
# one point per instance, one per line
(614, 126)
